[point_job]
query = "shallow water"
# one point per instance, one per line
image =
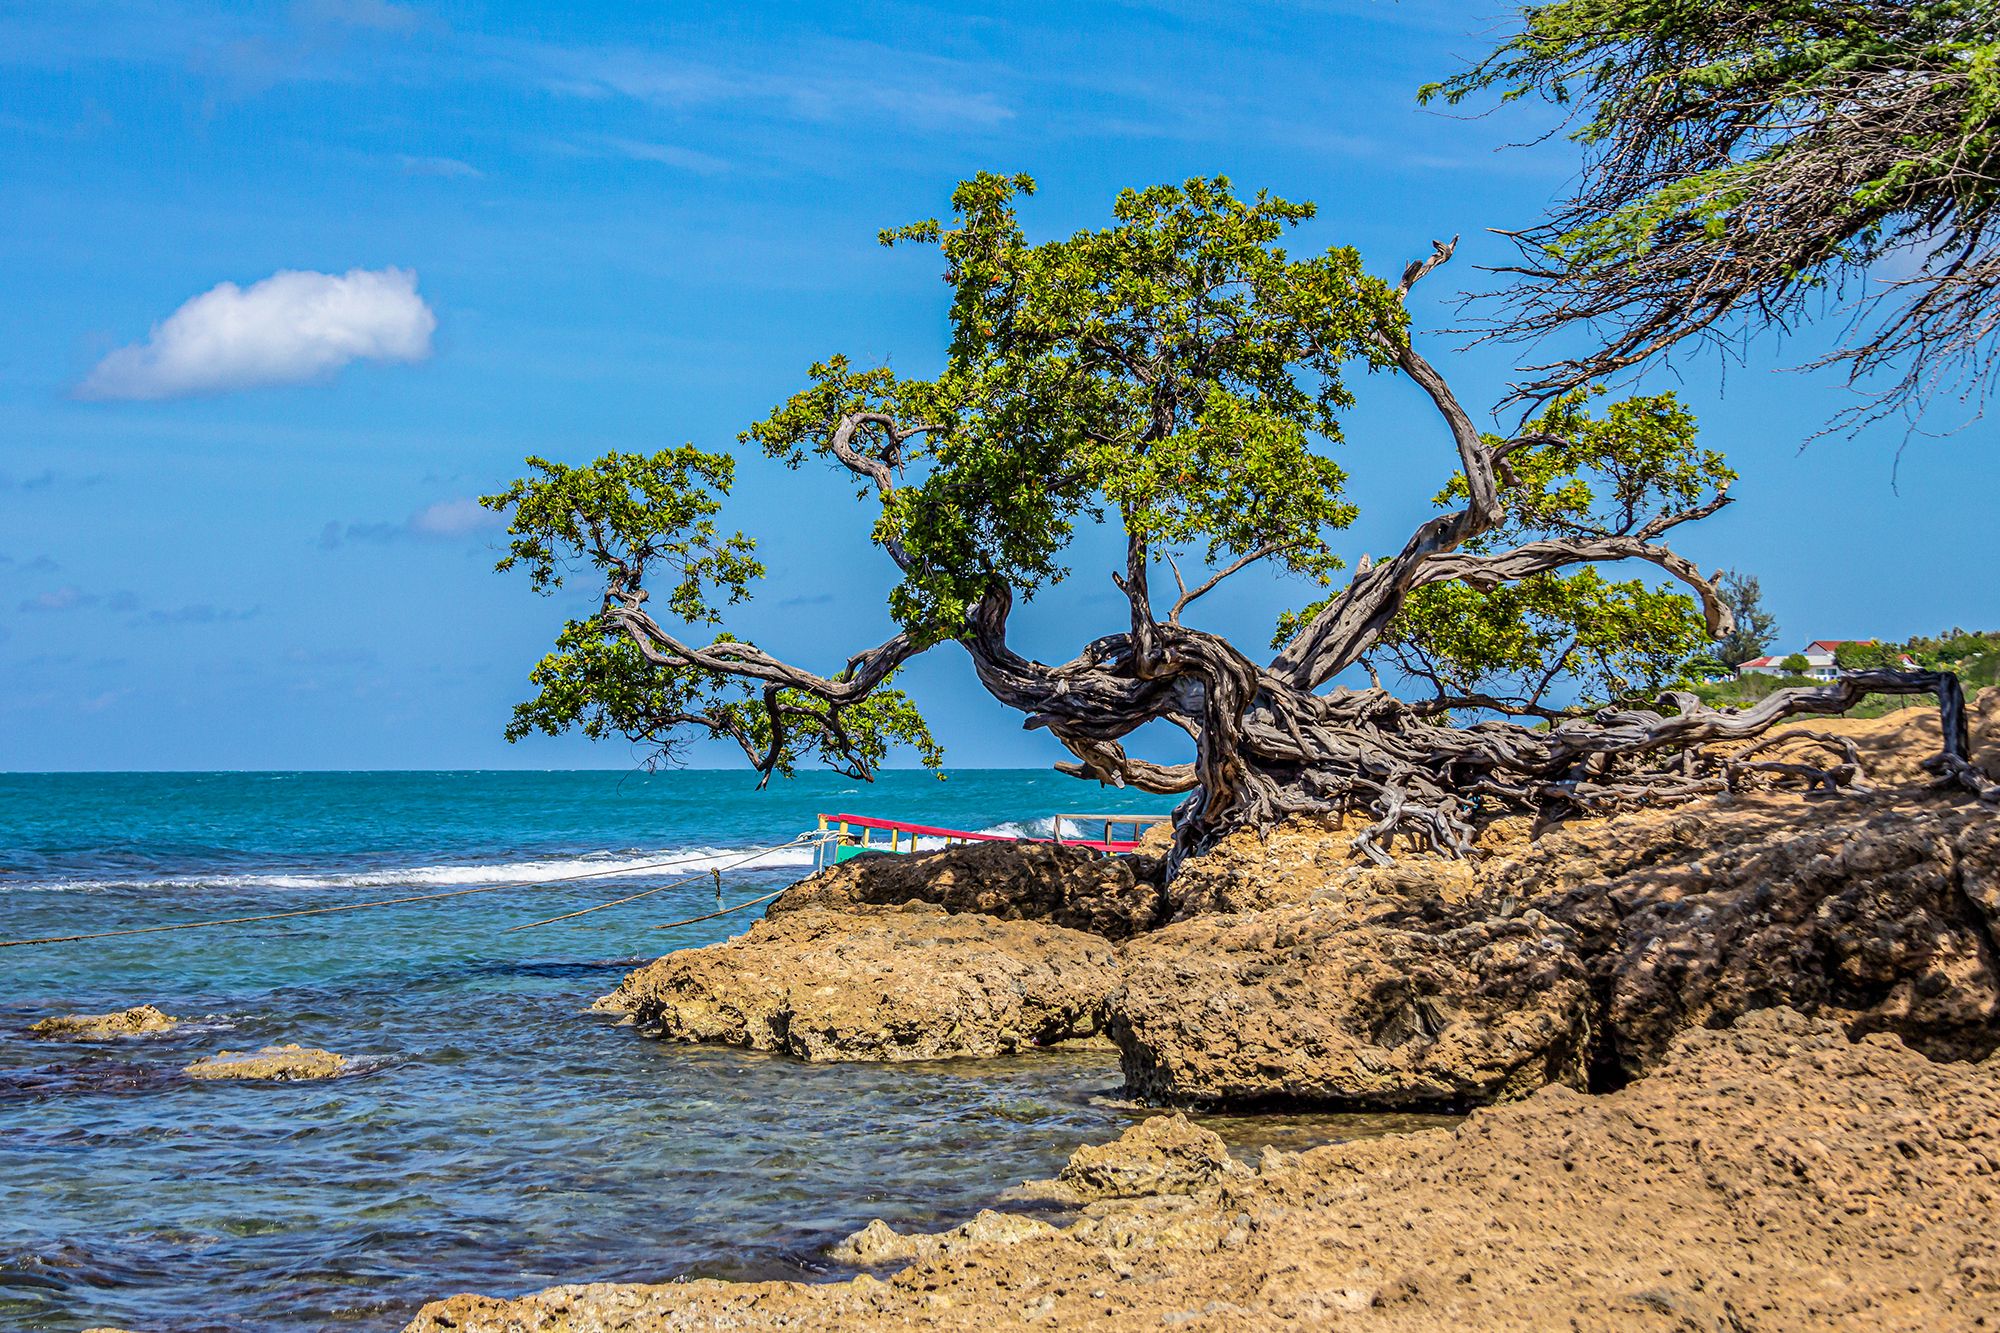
(494, 1137)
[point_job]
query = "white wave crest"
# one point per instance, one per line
(667, 862)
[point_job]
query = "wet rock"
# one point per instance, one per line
(276, 1064)
(878, 1244)
(1772, 1176)
(1365, 1010)
(1071, 887)
(138, 1021)
(914, 983)
(1164, 1154)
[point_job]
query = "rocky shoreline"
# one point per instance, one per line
(1287, 970)
(1775, 1175)
(1787, 1013)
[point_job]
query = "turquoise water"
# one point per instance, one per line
(494, 1137)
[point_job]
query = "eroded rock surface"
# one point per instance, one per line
(916, 983)
(1772, 1177)
(878, 1243)
(1115, 897)
(1396, 1008)
(285, 1063)
(138, 1021)
(1163, 1154)
(1874, 916)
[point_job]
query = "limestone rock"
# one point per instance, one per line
(878, 1244)
(138, 1021)
(1878, 917)
(916, 983)
(275, 1064)
(1302, 1005)
(1115, 897)
(1163, 1154)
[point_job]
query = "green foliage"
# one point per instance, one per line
(1603, 474)
(1606, 640)
(1593, 475)
(1742, 73)
(1795, 664)
(640, 520)
(630, 515)
(1176, 372)
(1861, 656)
(1755, 626)
(598, 681)
(1748, 156)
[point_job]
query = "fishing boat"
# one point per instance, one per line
(844, 837)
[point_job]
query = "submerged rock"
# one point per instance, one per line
(276, 1064)
(917, 983)
(1072, 887)
(138, 1021)
(1773, 1176)
(1307, 1004)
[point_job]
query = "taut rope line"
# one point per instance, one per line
(646, 893)
(382, 902)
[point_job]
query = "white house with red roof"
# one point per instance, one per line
(1820, 663)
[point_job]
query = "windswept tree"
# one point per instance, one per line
(1749, 163)
(1178, 376)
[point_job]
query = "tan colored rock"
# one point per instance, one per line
(1072, 887)
(915, 983)
(1163, 1154)
(1378, 1010)
(139, 1021)
(879, 1244)
(1870, 913)
(275, 1064)
(1770, 1178)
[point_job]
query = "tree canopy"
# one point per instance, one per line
(1749, 161)
(1180, 378)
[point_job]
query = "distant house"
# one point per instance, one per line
(1819, 655)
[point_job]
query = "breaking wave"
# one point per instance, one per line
(535, 871)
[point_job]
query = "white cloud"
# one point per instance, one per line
(287, 329)
(446, 520)
(453, 518)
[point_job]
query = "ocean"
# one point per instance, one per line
(493, 1136)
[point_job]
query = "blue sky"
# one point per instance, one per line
(629, 226)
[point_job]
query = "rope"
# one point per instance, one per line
(647, 893)
(380, 902)
(710, 916)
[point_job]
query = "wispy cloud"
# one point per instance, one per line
(374, 15)
(448, 168)
(445, 521)
(834, 85)
(37, 564)
(49, 479)
(643, 150)
(69, 597)
(290, 328)
(202, 613)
